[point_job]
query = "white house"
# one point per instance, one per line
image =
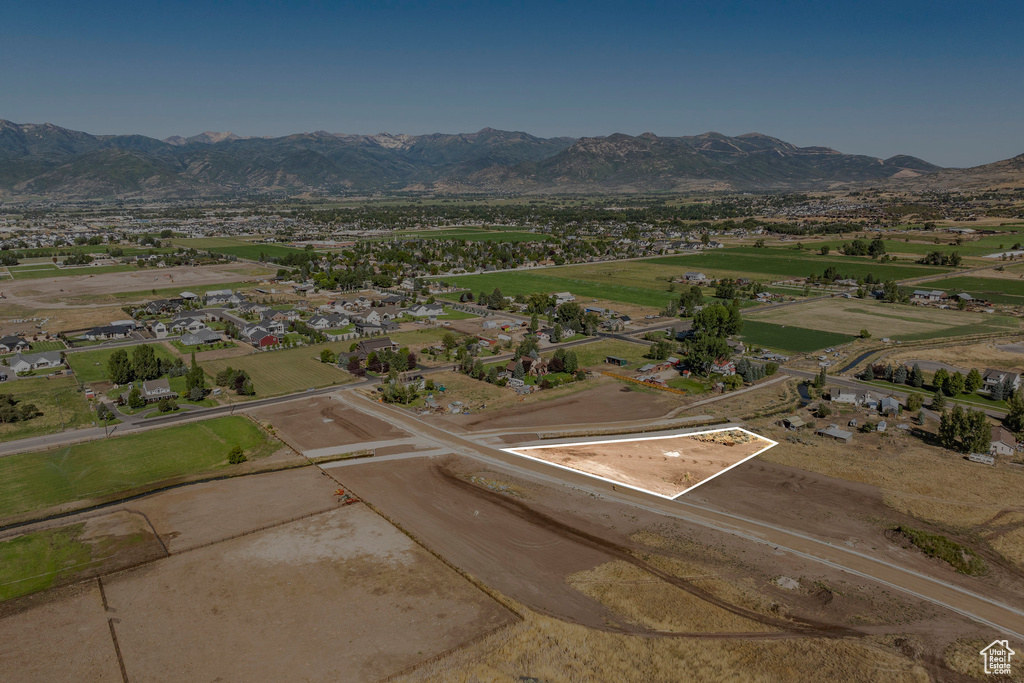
(24, 362)
(1003, 442)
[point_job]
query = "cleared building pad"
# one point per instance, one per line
(665, 466)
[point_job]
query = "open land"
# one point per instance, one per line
(282, 372)
(667, 466)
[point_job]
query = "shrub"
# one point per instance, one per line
(236, 455)
(823, 410)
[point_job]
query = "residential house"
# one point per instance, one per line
(153, 390)
(992, 378)
(12, 344)
(693, 276)
(426, 311)
(1003, 442)
(187, 325)
(928, 295)
(201, 337)
(333, 321)
(377, 344)
(723, 367)
(158, 328)
(261, 340)
(108, 332)
(24, 362)
(889, 406)
(563, 298)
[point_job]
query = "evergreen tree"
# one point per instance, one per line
(145, 366)
(939, 379)
(869, 374)
(916, 376)
(938, 400)
(519, 371)
(973, 381)
(954, 384)
(1014, 419)
(996, 393)
(119, 368)
(899, 376)
(571, 362)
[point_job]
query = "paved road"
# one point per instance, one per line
(1006, 619)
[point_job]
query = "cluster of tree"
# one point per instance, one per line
(751, 371)
(77, 258)
(938, 258)
(966, 431)
(12, 410)
(564, 361)
(572, 316)
(954, 384)
(143, 365)
(328, 356)
(712, 326)
(314, 336)
(238, 380)
(166, 405)
(386, 360)
(874, 248)
(897, 375)
(394, 391)
(661, 349)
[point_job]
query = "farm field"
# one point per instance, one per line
(769, 264)
(91, 366)
(62, 404)
(790, 337)
(919, 246)
(286, 371)
(90, 470)
(906, 323)
(237, 247)
(584, 284)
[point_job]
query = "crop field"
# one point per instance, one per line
(43, 271)
(235, 247)
(906, 323)
(920, 246)
(286, 371)
(32, 481)
(59, 399)
(91, 366)
(590, 284)
(789, 337)
(769, 264)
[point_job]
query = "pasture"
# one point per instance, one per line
(1000, 290)
(44, 271)
(772, 263)
(789, 337)
(237, 247)
(906, 323)
(58, 398)
(94, 469)
(91, 366)
(286, 371)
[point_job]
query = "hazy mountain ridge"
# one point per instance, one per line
(54, 161)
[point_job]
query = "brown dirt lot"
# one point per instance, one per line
(190, 516)
(986, 355)
(65, 636)
(339, 596)
(321, 422)
(56, 291)
(665, 465)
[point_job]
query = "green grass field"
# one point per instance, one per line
(35, 272)
(91, 366)
(919, 247)
(239, 248)
(31, 563)
(770, 263)
(583, 285)
(287, 371)
(593, 355)
(789, 338)
(62, 404)
(92, 470)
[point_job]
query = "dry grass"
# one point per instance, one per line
(956, 493)
(550, 650)
(642, 599)
(964, 657)
(969, 356)
(850, 316)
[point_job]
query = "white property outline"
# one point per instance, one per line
(771, 444)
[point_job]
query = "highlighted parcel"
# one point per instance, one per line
(665, 466)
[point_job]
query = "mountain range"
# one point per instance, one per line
(47, 160)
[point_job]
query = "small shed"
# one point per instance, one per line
(834, 432)
(615, 360)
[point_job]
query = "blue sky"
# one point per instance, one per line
(942, 80)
